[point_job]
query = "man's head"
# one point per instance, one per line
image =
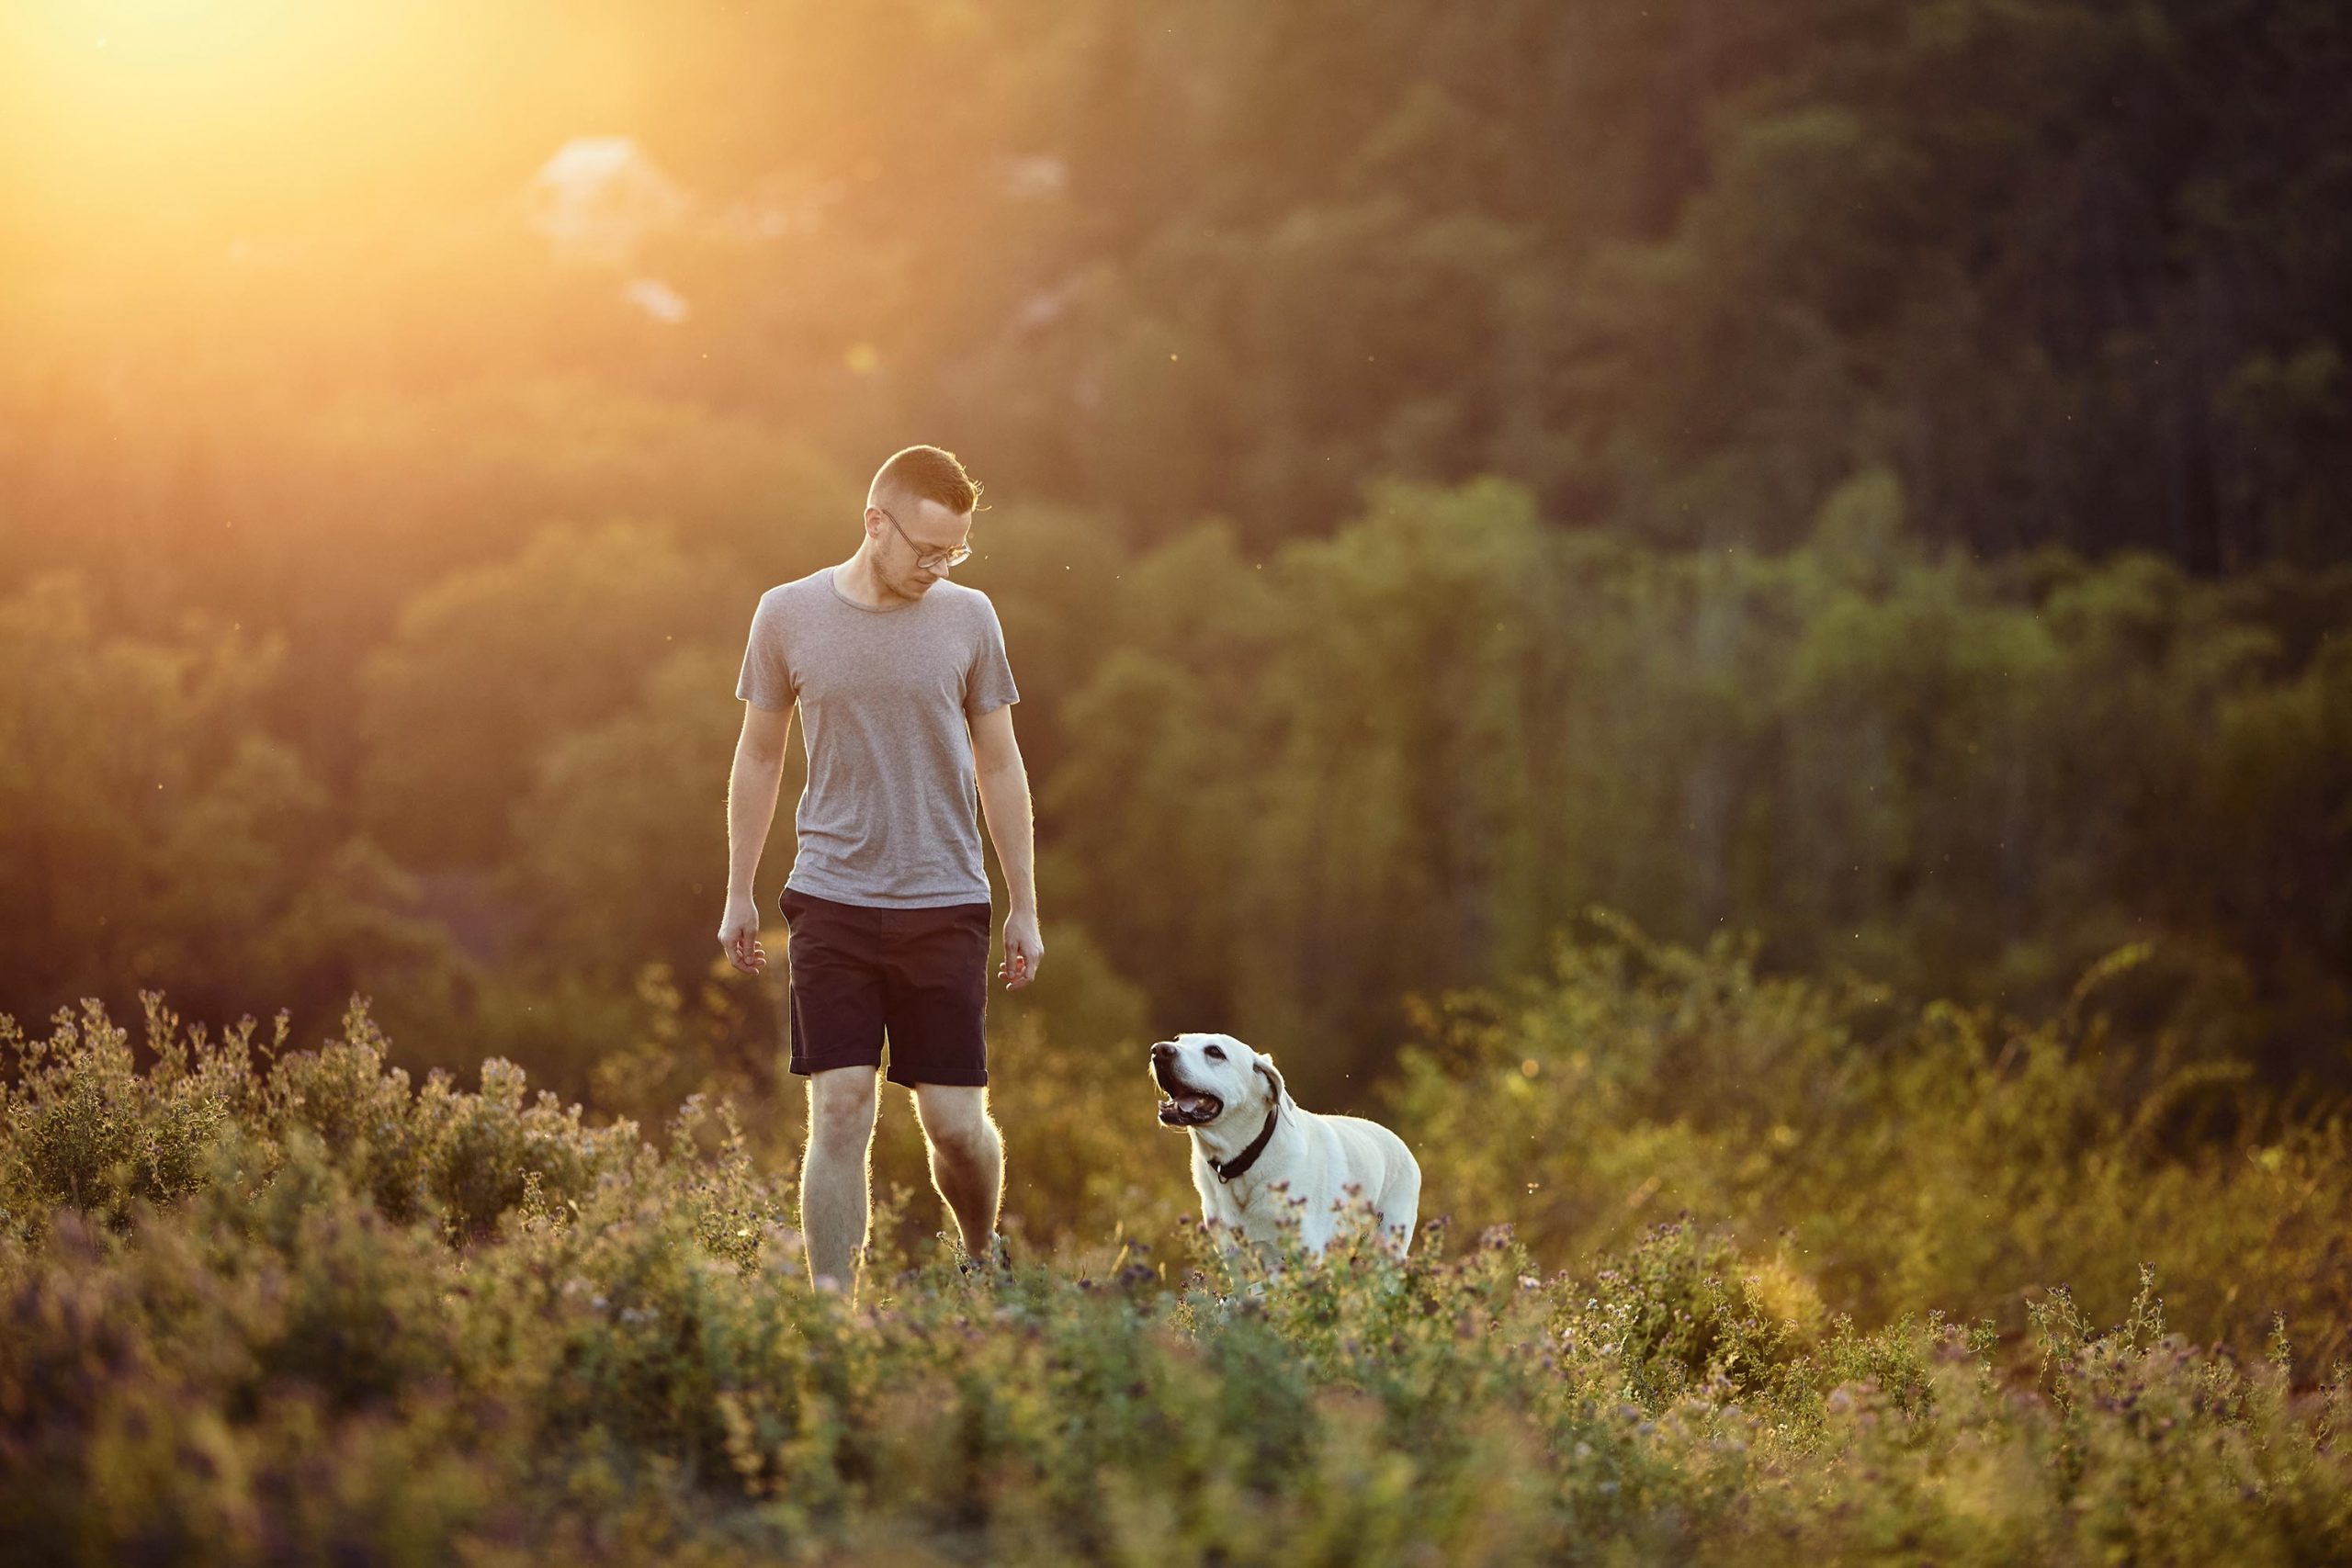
(917, 517)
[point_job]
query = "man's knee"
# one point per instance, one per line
(841, 1110)
(968, 1144)
(957, 1123)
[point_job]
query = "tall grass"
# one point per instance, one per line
(263, 1304)
(1887, 1158)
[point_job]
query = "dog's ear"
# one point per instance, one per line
(1273, 1075)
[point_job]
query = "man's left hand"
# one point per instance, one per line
(1024, 950)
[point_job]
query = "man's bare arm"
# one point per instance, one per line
(752, 785)
(1004, 800)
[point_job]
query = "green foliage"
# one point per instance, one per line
(155, 832)
(1580, 531)
(86, 1130)
(1287, 795)
(1396, 761)
(547, 642)
(256, 1359)
(1706, 330)
(620, 856)
(1892, 1158)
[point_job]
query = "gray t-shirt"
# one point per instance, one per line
(891, 815)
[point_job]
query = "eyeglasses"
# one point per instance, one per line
(934, 560)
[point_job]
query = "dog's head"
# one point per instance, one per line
(1202, 1077)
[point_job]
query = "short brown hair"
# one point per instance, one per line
(927, 473)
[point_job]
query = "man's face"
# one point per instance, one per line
(907, 532)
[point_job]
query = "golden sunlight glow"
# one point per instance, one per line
(140, 124)
(179, 32)
(139, 63)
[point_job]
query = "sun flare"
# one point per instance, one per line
(176, 35)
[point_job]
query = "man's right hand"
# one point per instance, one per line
(739, 935)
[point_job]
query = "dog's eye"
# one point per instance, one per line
(1216, 1051)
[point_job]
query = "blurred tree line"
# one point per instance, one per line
(1868, 472)
(1276, 795)
(2075, 272)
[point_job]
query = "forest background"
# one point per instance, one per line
(1859, 484)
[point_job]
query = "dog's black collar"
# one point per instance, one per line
(1239, 1163)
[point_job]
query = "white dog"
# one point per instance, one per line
(1256, 1154)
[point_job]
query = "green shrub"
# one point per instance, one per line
(325, 1316)
(1897, 1158)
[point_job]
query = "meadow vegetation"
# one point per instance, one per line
(1720, 1269)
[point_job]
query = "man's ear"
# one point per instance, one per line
(1273, 1075)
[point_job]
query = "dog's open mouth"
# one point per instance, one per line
(1184, 1106)
(1190, 1110)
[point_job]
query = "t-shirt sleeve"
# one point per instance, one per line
(766, 679)
(989, 685)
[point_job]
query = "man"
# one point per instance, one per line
(905, 697)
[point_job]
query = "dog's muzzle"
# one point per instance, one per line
(1182, 1105)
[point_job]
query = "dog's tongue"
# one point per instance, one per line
(1184, 1110)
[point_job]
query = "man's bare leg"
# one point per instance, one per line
(967, 1159)
(835, 1189)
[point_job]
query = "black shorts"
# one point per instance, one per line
(919, 976)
